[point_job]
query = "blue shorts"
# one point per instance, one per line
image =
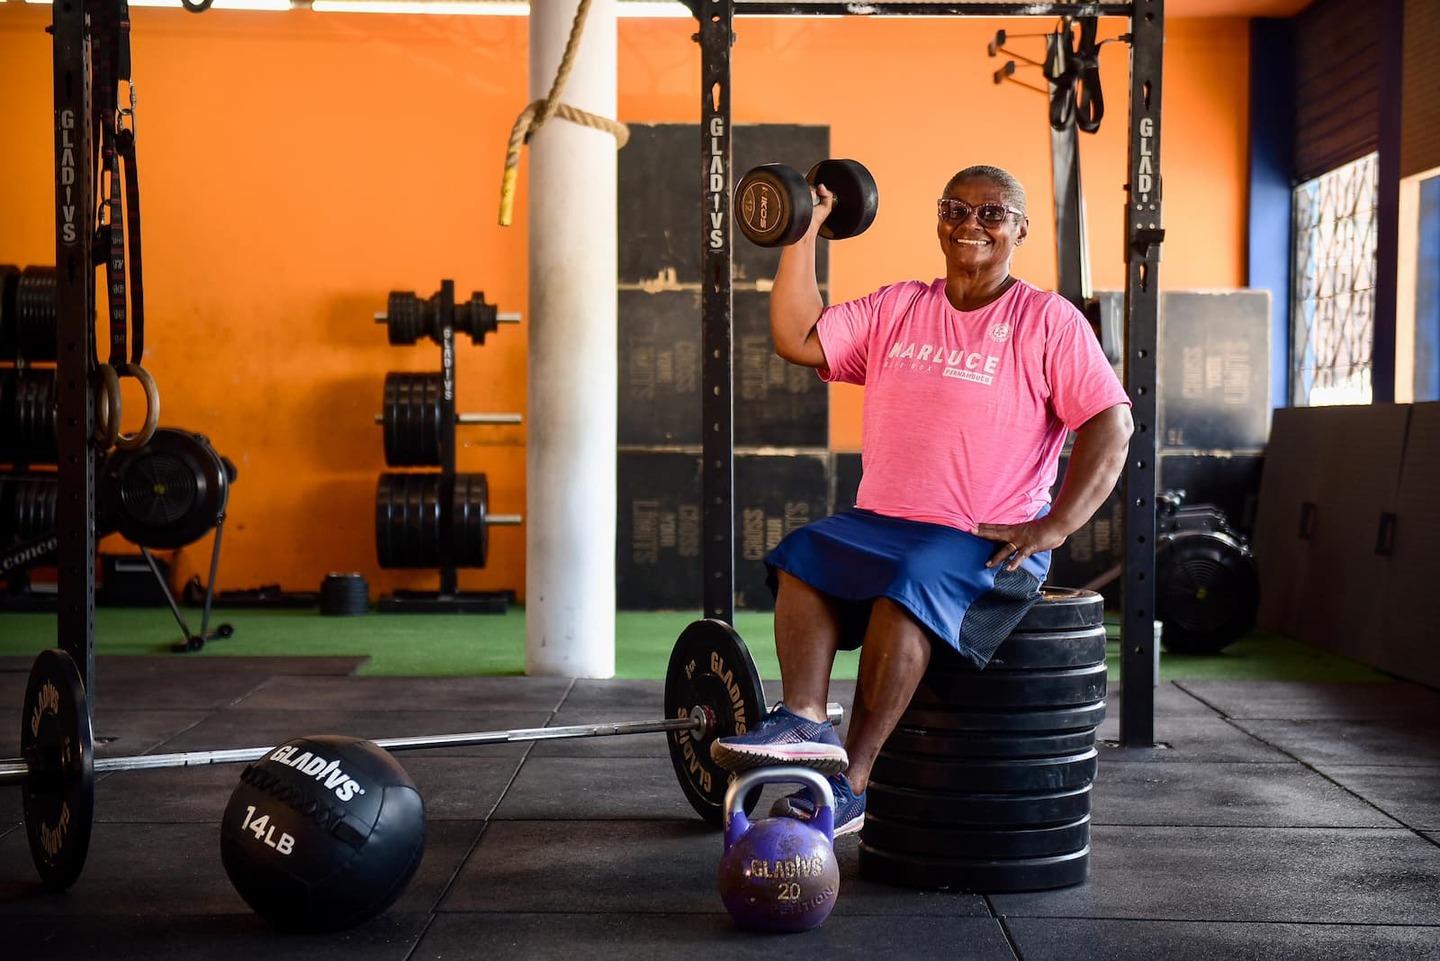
(937, 573)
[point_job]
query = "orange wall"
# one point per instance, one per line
(296, 167)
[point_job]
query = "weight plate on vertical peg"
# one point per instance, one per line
(412, 518)
(385, 547)
(469, 507)
(432, 522)
(58, 795)
(390, 420)
(409, 426)
(9, 277)
(429, 390)
(711, 668)
(461, 546)
(36, 307)
(9, 427)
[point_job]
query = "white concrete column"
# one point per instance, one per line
(570, 451)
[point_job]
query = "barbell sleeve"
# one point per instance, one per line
(16, 771)
(383, 317)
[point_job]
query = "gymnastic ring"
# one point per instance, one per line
(107, 407)
(152, 409)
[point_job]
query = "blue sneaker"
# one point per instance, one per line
(783, 738)
(849, 806)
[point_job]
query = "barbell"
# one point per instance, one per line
(712, 689)
(774, 204)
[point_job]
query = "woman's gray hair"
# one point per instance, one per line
(1014, 192)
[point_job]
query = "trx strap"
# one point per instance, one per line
(124, 288)
(1074, 73)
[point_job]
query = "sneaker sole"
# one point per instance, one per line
(733, 759)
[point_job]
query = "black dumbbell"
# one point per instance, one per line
(774, 203)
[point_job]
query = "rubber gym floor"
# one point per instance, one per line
(1291, 809)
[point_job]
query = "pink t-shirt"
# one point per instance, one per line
(965, 412)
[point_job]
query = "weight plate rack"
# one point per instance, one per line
(28, 435)
(433, 519)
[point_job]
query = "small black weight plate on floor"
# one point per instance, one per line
(856, 198)
(968, 744)
(1026, 775)
(977, 810)
(344, 594)
(975, 875)
(773, 205)
(898, 837)
(1012, 691)
(1037, 650)
(1064, 609)
(58, 795)
(711, 668)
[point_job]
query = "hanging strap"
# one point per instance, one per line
(124, 288)
(1074, 72)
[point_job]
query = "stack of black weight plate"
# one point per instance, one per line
(985, 783)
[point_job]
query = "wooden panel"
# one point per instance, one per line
(1337, 85)
(1420, 104)
(1410, 636)
(1289, 482)
(1341, 601)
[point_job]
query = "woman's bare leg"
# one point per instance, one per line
(892, 663)
(807, 635)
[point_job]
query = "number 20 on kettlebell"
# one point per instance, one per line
(779, 874)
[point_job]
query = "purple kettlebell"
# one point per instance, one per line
(779, 874)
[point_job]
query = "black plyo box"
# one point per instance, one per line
(776, 403)
(660, 176)
(658, 535)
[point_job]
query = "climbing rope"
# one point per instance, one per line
(539, 112)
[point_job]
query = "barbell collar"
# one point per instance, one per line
(16, 771)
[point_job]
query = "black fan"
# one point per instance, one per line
(168, 493)
(1209, 593)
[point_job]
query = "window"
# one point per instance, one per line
(1333, 335)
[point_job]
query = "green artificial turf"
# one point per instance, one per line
(494, 644)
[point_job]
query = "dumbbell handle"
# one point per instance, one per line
(476, 419)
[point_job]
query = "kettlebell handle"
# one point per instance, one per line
(736, 823)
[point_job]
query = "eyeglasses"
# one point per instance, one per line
(958, 211)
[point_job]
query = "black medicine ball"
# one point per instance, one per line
(323, 833)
